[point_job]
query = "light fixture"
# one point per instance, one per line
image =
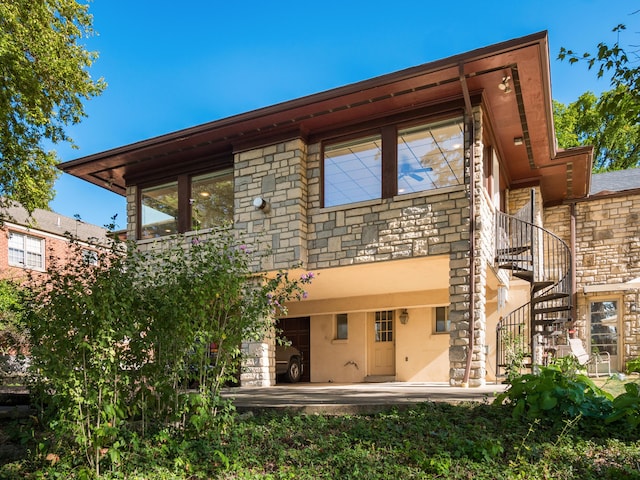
(504, 84)
(205, 194)
(404, 316)
(517, 141)
(260, 203)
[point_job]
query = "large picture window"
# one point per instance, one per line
(395, 161)
(159, 210)
(26, 251)
(353, 171)
(211, 200)
(430, 157)
(188, 203)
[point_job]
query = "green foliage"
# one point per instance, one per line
(610, 123)
(45, 78)
(555, 393)
(626, 406)
(431, 440)
(13, 334)
(633, 365)
(117, 343)
(592, 121)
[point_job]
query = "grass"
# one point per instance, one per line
(430, 440)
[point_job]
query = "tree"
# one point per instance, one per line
(591, 121)
(44, 79)
(612, 120)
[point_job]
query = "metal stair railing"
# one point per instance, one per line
(540, 257)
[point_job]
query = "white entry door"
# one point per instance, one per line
(382, 351)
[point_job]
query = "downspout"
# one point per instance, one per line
(468, 120)
(572, 246)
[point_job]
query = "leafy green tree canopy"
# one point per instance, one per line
(591, 121)
(44, 79)
(610, 123)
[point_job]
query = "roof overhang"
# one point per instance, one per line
(524, 111)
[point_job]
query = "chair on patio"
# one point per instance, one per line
(587, 360)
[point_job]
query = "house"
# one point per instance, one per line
(431, 202)
(28, 241)
(606, 245)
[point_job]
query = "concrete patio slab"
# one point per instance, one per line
(331, 398)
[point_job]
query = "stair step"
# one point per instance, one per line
(514, 250)
(524, 275)
(537, 286)
(550, 296)
(560, 308)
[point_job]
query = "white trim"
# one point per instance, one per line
(613, 287)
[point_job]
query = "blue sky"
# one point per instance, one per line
(171, 65)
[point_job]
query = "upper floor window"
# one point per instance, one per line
(211, 200)
(159, 210)
(353, 171)
(186, 204)
(393, 161)
(26, 251)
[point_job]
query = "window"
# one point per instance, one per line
(342, 326)
(353, 171)
(211, 200)
(394, 161)
(443, 324)
(384, 326)
(90, 257)
(189, 203)
(430, 157)
(26, 251)
(159, 210)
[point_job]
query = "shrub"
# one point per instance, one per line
(117, 342)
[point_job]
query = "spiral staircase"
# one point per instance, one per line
(530, 333)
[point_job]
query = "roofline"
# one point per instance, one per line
(539, 38)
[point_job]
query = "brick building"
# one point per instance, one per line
(409, 194)
(28, 242)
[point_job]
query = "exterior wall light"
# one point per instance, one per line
(404, 316)
(260, 203)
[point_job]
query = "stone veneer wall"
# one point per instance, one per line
(278, 174)
(607, 252)
(460, 281)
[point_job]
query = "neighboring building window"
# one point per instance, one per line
(26, 251)
(90, 257)
(430, 156)
(443, 324)
(186, 204)
(159, 210)
(211, 200)
(425, 157)
(342, 326)
(353, 171)
(384, 326)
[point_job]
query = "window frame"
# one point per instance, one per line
(389, 137)
(447, 320)
(24, 264)
(184, 182)
(345, 317)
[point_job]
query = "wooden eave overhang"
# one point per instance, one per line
(523, 112)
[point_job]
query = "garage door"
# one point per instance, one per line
(296, 330)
